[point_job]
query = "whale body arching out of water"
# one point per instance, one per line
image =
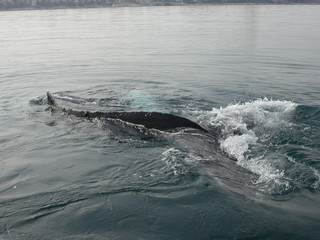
(150, 120)
(218, 165)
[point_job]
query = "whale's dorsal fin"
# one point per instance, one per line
(50, 99)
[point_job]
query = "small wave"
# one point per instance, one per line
(41, 100)
(172, 157)
(75, 100)
(316, 184)
(305, 174)
(142, 101)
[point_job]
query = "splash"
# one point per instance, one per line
(241, 124)
(244, 133)
(242, 118)
(39, 100)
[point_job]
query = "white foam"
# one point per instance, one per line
(237, 146)
(243, 127)
(240, 122)
(261, 112)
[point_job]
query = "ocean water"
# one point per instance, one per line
(249, 74)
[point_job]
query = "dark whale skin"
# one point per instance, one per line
(150, 120)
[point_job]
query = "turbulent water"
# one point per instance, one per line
(248, 74)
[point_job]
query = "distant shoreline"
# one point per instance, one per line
(9, 5)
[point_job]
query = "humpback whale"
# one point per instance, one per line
(150, 120)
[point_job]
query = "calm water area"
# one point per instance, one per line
(249, 74)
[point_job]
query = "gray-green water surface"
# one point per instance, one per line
(249, 74)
